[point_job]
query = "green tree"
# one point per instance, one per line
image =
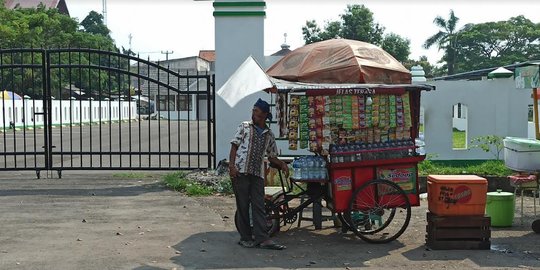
(93, 23)
(41, 27)
(397, 46)
(446, 39)
(430, 70)
(313, 33)
(493, 44)
(357, 23)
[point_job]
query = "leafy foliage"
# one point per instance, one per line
(41, 27)
(93, 23)
(357, 23)
(490, 144)
(398, 46)
(445, 39)
(485, 168)
(430, 70)
(179, 181)
(494, 44)
(485, 45)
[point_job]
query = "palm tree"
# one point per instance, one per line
(446, 39)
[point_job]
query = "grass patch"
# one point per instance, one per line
(176, 181)
(179, 182)
(132, 175)
(485, 168)
(459, 139)
(196, 189)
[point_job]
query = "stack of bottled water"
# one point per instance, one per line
(392, 149)
(309, 168)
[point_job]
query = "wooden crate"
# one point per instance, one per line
(458, 232)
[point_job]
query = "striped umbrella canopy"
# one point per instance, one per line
(9, 95)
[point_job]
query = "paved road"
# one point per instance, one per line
(136, 224)
(110, 145)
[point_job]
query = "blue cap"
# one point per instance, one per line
(265, 107)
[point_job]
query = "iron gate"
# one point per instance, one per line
(87, 109)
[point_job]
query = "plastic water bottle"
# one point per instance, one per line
(311, 166)
(322, 165)
(297, 173)
(303, 169)
(318, 165)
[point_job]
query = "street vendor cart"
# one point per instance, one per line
(352, 105)
(365, 160)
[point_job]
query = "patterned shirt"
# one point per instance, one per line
(252, 147)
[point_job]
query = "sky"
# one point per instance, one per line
(187, 26)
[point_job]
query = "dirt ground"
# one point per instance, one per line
(95, 221)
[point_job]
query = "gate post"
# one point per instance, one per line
(239, 33)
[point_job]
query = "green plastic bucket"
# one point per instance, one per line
(500, 207)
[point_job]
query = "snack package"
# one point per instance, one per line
(304, 144)
(311, 101)
(370, 136)
(312, 134)
(295, 100)
(392, 134)
(313, 146)
(406, 110)
(377, 135)
(293, 145)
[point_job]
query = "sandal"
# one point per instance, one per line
(271, 245)
(246, 244)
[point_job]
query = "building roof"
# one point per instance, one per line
(59, 4)
(208, 55)
(285, 49)
(479, 74)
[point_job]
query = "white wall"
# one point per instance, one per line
(236, 38)
(530, 131)
(65, 112)
(495, 107)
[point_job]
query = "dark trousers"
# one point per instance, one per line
(250, 189)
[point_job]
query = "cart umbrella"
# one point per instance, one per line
(340, 61)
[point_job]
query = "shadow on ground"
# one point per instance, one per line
(304, 248)
(514, 253)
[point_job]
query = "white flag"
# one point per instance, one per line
(248, 79)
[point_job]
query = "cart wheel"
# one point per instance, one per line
(379, 211)
(272, 224)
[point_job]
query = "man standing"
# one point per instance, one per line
(252, 141)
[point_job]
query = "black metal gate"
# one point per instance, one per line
(86, 109)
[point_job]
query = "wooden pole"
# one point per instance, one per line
(535, 107)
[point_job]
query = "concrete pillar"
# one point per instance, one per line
(418, 74)
(239, 32)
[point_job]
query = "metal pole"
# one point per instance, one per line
(535, 106)
(166, 53)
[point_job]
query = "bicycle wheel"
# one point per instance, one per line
(379, 211)
(272, 220)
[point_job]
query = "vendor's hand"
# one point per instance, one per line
(284, 168)
(233, 172)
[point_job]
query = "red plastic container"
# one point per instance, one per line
(457, 195)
